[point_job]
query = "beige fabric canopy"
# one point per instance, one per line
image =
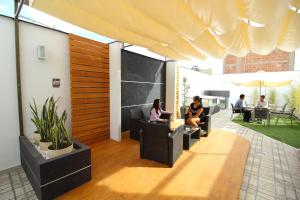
(187, 29)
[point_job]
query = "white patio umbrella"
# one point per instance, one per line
(263, 79)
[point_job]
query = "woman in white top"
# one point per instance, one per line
(156, 112)
(262, 103)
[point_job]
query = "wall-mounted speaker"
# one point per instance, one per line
(41, 52)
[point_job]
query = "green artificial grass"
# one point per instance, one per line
(283, 131)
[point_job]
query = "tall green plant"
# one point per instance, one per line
(185, 90)
(293, 97)
(255, 95)
(36, 119)
(272, 98)
(49, 112)
(60, 137)
(46, 121)
(297, 98)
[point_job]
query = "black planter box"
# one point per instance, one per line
(53, 177)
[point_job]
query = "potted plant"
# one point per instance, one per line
(61, 139)
(48, 119)
(45, 122)
(37, 122)
(185, 89)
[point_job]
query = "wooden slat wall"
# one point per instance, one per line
(89, 89)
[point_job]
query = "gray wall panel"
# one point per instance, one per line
(141, 93)
(217, 93)
(137, 67)
(143, 80)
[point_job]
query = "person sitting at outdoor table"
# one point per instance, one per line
(239, 105)
(156, 112)
(196, 114)
(261, 102)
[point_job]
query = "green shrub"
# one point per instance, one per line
(293, 97)
(185, 90)
(272, 98)
(255, 95)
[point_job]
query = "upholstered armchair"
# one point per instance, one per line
(159, 143)
(140, 114)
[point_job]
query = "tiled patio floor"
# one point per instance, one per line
(272, 170)
(15, 185)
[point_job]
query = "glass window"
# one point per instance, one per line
(7, 7)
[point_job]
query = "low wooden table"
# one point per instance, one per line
(190, 136)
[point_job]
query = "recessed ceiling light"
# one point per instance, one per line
(164, 44)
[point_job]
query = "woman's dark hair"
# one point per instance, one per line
(156, 105)
(197, 98)
(242, 96)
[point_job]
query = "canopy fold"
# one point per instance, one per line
(209, 45)
(290, 40)
(187, 29)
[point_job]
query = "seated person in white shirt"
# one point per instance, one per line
(156, 112)
(261, 102)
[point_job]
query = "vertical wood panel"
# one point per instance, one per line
(89, 89)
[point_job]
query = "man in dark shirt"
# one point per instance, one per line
(240, 105)
(240, 102)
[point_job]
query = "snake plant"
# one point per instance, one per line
(36, 119)
(45, 122)
(50, 125)
(60, 137)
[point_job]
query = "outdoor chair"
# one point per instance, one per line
(262, 113)
(286, 114)
(275, 112)
(159, 143)
(235, 110)
(137, 115)
(278, 113)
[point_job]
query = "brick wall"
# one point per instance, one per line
(276, 61)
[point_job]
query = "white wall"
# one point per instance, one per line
(36, 81)
(171, 86)
(9, 124)
(225, 82)
(115, 90)
(37, 74)
(200, 82)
